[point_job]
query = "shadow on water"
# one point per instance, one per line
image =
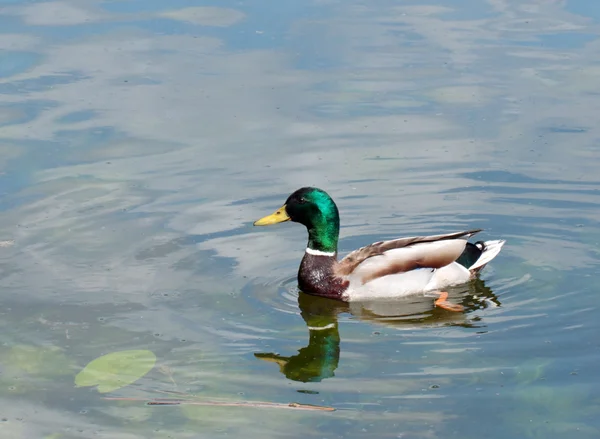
(320, 358)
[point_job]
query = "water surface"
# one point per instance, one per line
(140, 140)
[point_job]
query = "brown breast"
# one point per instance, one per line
(316, 276)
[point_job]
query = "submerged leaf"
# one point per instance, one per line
(35, 360)
(115, 370)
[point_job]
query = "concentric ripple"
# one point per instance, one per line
(280, 295)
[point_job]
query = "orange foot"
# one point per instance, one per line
(442, 302)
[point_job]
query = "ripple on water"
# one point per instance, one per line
(280, 295)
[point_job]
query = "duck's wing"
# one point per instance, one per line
(404, 254)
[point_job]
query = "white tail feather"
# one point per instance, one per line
(490, 251)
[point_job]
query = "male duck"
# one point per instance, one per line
(385, 269)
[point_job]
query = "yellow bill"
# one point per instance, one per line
(279, 216)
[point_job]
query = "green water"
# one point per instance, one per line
(140, 140)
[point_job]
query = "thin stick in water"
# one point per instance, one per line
(255, 404)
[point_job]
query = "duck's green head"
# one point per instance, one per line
(315, 209)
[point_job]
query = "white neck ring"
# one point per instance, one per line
(322, 328)
(314, 252)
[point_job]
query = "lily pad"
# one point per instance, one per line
(115, 370)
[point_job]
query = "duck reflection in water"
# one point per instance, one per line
(319, 359)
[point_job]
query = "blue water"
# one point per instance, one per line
(140, 140)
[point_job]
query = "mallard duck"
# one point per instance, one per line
(385, 269)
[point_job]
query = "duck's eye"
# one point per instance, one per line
(302, 200)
